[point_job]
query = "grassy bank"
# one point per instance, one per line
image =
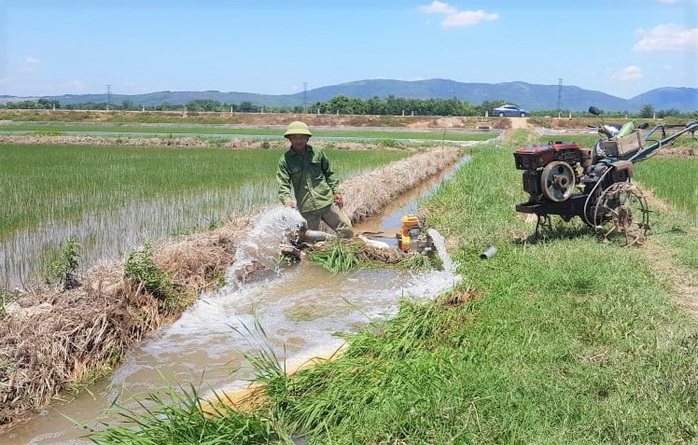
(564, 341)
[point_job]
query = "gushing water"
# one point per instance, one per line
(261, 246)
(440, 244)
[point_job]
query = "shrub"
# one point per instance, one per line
(64, 269)
(141, 268)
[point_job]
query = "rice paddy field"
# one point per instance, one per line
(674, 180)
(113, 199)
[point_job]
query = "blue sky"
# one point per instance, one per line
(620, 47)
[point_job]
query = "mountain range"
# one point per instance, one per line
(530, 96)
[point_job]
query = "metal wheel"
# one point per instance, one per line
(621, 213)
(557, 181)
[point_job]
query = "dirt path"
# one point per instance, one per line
(519, 123)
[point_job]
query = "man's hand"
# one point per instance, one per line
(290, 203)
(339, 200)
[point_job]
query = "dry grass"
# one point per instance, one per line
(52, 339)
(368, 194)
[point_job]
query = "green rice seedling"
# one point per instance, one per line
(119, 197)
(45, 183)
(58, 128)
(586, 140)
(340, 257)
(418, 262)
(670, 180)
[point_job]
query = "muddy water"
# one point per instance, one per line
(295, 311)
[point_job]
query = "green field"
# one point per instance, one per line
(674, 180)
(113, 198)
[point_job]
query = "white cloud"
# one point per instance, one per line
(629, 73)
(455, 18)
(438, 7)
(670, 2)
(667, 37)
(30, 64)
(466, 18)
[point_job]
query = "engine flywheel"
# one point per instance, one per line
(557, 181)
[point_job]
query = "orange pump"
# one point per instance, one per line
(411, 228)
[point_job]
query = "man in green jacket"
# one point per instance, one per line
(306, 181)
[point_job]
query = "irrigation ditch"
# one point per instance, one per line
(57, 342)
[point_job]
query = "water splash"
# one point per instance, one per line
(440, 244)
(261, 248)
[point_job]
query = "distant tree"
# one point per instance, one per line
(396, 106)
(204, 105)
(340, 105)
(667, 113)
(128, 105)
(647, 111)
(487, 106)
(375, 106)
(166, 106)
(48, 104)
(248, 107)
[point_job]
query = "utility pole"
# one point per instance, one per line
(559, 97)
(108, 97)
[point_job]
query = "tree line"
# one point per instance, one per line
(391, 106)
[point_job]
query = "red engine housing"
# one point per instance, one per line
(533, 157)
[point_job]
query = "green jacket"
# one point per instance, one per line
(309, 179)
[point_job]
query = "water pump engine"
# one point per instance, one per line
(551, 171)
(413, 237)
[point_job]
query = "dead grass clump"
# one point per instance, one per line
(52, 339)
(367, 194)
(77, 335)
(381, 256)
